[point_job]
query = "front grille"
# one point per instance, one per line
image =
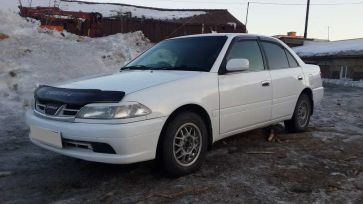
(57, 109)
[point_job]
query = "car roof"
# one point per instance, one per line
(229, 35)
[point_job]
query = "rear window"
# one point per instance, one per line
(292, 61)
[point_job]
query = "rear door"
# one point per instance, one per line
(245, 96)
(287, 78)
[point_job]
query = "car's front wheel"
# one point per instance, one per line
(184, 144)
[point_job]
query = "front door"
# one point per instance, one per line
(246, 96)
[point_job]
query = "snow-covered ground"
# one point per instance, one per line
(344, 82)
(107, 10)
(342, 47)
(30, 57)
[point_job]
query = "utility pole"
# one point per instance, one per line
(307, 19)
(248, 8)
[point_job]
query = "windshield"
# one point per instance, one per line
(188, 54)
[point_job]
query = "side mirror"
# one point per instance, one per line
(234, 65)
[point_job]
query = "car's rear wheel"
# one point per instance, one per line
(184, 144)
(301, 118)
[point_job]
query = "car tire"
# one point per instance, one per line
(301, 117)
(184, 144)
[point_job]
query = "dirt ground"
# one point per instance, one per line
(323, 165)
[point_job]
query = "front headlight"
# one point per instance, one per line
(122, 111)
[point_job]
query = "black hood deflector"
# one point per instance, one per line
(77, 96)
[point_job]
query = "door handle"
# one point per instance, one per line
(265, 83)
(300, 78)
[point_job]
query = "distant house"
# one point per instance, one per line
(102, 19)
(294, 40)
(291, 39)
(337, 59)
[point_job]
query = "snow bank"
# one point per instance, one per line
(107, 10)
(31, 57)
(342, 47)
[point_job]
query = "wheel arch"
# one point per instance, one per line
(192, 108)
(307, 91)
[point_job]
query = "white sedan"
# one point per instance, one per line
(175, 100)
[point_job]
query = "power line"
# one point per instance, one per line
(302, 4)
(266, 3)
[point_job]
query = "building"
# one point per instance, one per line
(102, 19)
(291, 39)
(337, 59)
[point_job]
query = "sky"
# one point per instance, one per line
(343, 21)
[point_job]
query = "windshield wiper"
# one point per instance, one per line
(184, 68)
(177, 68)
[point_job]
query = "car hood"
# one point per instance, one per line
(130, 81)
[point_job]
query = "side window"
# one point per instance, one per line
(292, 60)
(276, 56)
(247, 49)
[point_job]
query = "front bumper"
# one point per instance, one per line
(132, 142)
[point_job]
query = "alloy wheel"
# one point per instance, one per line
(187, 144)
(303, 114)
